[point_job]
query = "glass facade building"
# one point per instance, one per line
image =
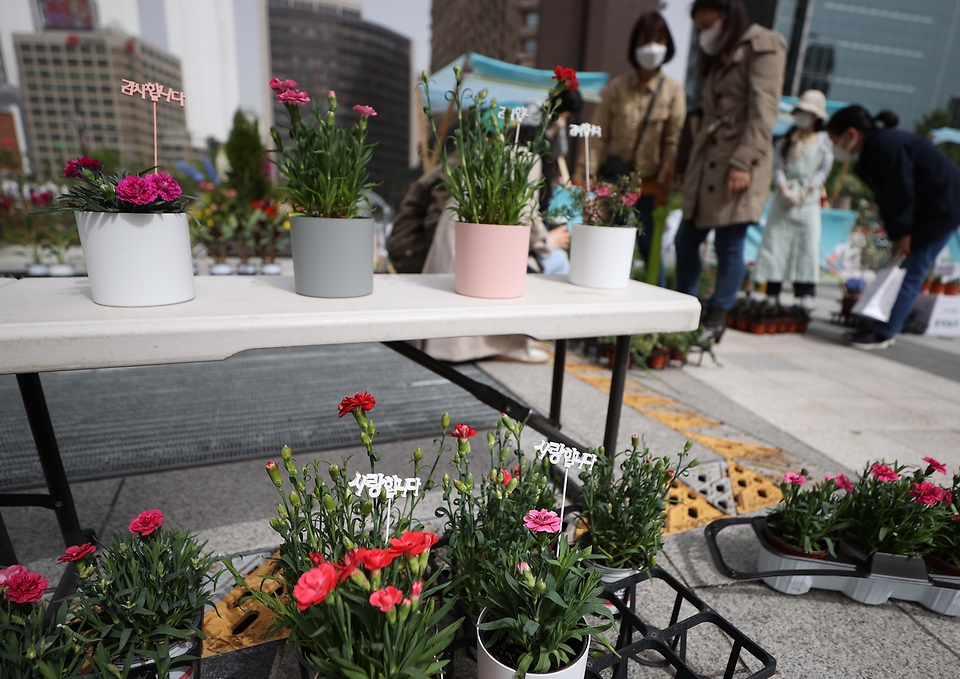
(884, 54)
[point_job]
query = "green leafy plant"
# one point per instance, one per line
(325, 166)
(890, 510)
(359, 603)
(485, 511)
(537, 600)
(608, 203)
(808, 518)
(491, 182)
(624, 513)
(246, 155)
(145, 592)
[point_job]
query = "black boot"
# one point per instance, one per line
(714, 323)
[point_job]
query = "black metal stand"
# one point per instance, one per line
(556, 390)
(618, 380)
(58, 498)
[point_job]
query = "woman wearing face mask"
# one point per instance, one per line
(727, 180)
(918, 191)
(790, 249)
(641, 116)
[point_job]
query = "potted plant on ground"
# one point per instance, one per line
(485, 510)
(62, 237)
(143, 596)
(359, 602)
(806, 521)
(937, 286)
(134, 234)
(624, 513)
(537, 594)
(215, 224)
(601, 248)
(271, 232)
(945, 555)
(892, 517)
(489, 182)
(326, 171)
(35, 243)
(247, 159)
(852, 290)
(952, 287)
(30, 645)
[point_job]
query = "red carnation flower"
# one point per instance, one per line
(73, 168)
(147, 522)
(76, 552)
(883, 472)
(412, 543)
(507, 477)
(462, 431)
(567, 76)
(926, 493)
(385, 599)
(314, 586)
(361, 399)
(935, 466)
(350, 563)
(24, 587)
(375, 559)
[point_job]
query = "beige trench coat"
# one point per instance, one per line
(740, 102)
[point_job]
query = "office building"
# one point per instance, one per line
(72, 101)
(508, 30)
(885, 54)
(328, 46)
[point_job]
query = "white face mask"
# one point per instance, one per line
(804, 120)
(711, 40)
(651, 55)
(842, 152)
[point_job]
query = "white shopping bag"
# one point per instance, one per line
(877, 301)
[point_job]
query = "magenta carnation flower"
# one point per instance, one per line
(883, 472)
(281, 86)
(935, 466)
(843, 483)
(136, 190)
(166, 186)
(795, 479)
(542, 521)
(293, 97)
(926, 493)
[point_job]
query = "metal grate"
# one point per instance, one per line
(118, 421)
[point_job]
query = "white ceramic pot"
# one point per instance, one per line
(246, 269)
(271, 269)
(136, 260)
(38, 270)
(601, 256)
(609, 576)
(332, 257)
(61, 270)
(223, 269)
(489, 667)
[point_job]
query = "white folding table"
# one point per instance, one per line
(53, 324)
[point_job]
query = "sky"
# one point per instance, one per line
(410, 18)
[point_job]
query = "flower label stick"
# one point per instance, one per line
(586, 130)
(156, 92)
(570, 457)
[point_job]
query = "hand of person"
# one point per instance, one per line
(902, 246)
(737, 181)
(559, 237)
(663, 188)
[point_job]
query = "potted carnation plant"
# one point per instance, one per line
(134, 233)
(624, 514)
(326, 171)
(807, 520)
(354, 563)
(601, 248)
(946, 553)
(491, 188)
(143, 598)
(538, 592)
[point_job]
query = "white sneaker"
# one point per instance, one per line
(524, 355)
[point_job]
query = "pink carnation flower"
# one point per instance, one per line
(926, 493)
(136, 190)
(280, 86)
(602, 191)
(166, 186)
(936, 466)
(293, 97)
(795, 479)
(843, 483)
(523, 567)
(883, 472)
(9, 572)
(542, 521)
(364, 111)
(630, 199)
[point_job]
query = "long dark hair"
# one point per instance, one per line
(818, 126)
(859, 118)
(653, 26)
(735, 23)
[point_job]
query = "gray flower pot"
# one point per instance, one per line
(332, 257)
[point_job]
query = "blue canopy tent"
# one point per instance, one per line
(509, 84)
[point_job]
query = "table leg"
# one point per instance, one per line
(8, 556)
(46, 441)
(556, 392)
(621, 357)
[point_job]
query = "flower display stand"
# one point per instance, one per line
(872, 581)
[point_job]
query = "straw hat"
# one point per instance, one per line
(813, 101)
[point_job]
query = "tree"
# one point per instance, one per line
(246, 153)
(933, 120)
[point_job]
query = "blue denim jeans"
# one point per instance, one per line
(730, 266)
(917, 266)
(645, 239)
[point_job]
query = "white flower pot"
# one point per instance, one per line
(222, 269)
(601, 256)
(38, 270)
(136, 260)
(489, 667)
(61, 270)
(271, 269)
(246, 269)
(609, 576)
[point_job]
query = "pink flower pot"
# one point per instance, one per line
(490, 260)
